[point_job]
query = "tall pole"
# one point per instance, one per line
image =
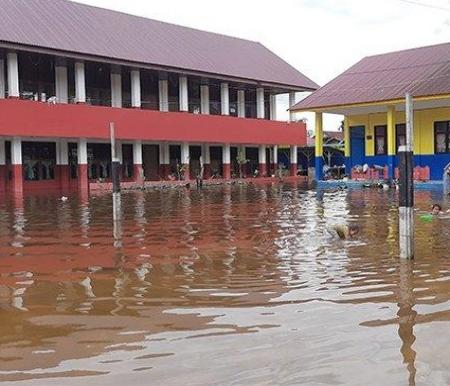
(115, 172)
(406, 185)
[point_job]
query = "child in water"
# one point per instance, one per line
(436, 209)
(346, 232)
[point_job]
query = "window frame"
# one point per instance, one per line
(376, 136)
(398, 135)
(447, 144)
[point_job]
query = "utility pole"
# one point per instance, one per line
(406, 185)
(115, 172)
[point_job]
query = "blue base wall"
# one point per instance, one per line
(436, 162)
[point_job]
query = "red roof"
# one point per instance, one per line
(421, 71)
(67, 26)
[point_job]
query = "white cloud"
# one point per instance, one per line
(321, 38)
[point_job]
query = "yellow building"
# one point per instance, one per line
(371, 97)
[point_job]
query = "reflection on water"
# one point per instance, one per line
(228, 285)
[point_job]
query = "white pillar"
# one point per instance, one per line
(206, 154)
(135, 88)
(82, 151)
(262, 159)
(241, 103)
(164, 154)
(292, 103)
(137, 152)
(62, 153)
(204, 99)
(2, 152)
(226, 154)
(163, 95)
(2, 79)
(273, 107)
(294, 155)
(275, 155)
(225, 98)
(13, 75)
(80, 83)
(16, 151)
(119, 152)
(116, 87)
(260, 111)
(184, 95)
(185, 153)
(61, 83)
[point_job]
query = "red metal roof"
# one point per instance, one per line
(423, 71)
(72, 27)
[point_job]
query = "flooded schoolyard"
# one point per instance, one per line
(230, 285)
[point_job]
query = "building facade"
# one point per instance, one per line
(371, 97)
(178, 98)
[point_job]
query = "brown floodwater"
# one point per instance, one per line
(231, 285)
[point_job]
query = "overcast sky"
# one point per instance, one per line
(321, 38)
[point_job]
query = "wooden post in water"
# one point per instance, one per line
(115, 173)
(406, 185)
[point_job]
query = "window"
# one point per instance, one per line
(441, 137)
(400, 131)
(380, 140)
(39, 159)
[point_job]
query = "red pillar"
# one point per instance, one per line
(164, 171)
(83, 180)
(64, 177)
(293, 170)
(17, 179)
(138, 174)
(262, 170)
(226, 171)
(187, 173)
(2, 178)
(207, 171)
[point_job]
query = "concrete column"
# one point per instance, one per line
(226, 161)
(83, 177)
(138, 172)
(262, 160)
(62, 164)
(275, 159)
(348, 164)
(292, 96)
(16, 161)
(164, 161)
(273, 107)
(260, 110)
(319, 146)
(184, 95)
(241, 103)
(2, 79)
(206, 156)
(2, 165)
(225, 98)
(294, 160)
(185, 160)
(163, 95)
(80, 83)
(116, 86)
(13, 75)
(391, 151)
(61, 82)
(204, 99)
(136, 89)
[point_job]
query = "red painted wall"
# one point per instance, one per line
(26, 118)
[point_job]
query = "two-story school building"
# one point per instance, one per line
(175, 94)
(371, 96)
